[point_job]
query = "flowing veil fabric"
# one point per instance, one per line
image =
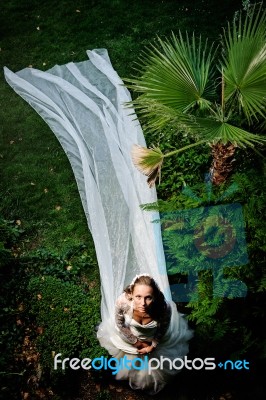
(84, 105)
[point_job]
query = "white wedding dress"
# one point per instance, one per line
(84, 105)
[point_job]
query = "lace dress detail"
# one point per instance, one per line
(124, 318)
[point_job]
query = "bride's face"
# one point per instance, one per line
(143, 297)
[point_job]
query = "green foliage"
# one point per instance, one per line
(11, 278)
(220, 320)
(184, 168)
(103, 395)
(176, 86)
(244, 66)
(68, 316)
(63, 319)
(10, 232)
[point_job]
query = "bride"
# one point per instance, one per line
(146, 325)
(83, 103)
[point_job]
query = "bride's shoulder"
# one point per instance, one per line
(123, 301)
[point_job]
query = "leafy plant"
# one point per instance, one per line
(179, 87)
(67, 317)
(227, 325)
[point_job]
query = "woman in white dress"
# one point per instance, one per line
(84, 105)
(143, 329)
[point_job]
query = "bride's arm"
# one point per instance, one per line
(121, 307)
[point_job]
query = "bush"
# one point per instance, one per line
(66, 317)
(229, 327)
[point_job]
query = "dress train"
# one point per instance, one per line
(84, 105)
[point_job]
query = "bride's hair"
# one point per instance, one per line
(158, 304)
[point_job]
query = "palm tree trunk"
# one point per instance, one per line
(222, 164)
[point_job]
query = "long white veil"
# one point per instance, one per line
(83, 103)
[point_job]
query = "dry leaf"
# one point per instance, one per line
(18, 222)
(46, 190)
(58, 208)
(39, 296)
(98, 387)
(12, 141)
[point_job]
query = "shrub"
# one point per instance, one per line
(66, 316)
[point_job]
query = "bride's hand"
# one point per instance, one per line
(140, 345)
(146, 350)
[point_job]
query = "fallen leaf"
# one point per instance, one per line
(38, 28)
(39, 296)
(46, 190)
(69, 267)
(98, 387)
(33, 184)
(58, 208)
(12, 141)
(78, 11)
(18, 222)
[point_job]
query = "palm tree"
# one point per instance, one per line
(217, 103)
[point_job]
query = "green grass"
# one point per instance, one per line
(36, 178)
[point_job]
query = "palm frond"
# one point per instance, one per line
(157, 116)
(177, 74)
(215, 130)
(244, 64)
(148, 162)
